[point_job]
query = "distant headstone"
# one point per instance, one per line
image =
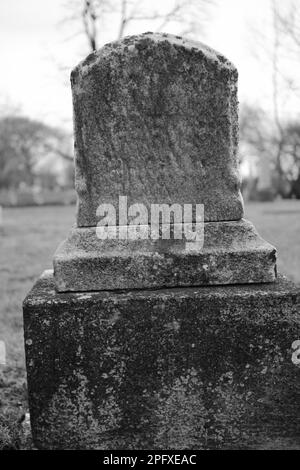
(160, 343)
(2, 353)
(265, 190)
(264, 174)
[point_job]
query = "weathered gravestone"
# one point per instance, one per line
(161, 343)
(156, 121)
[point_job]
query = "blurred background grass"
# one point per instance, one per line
(28, 239)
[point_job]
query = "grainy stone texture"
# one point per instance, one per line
(178, 368)
(233, 253)
(192, 368)
(156, 120)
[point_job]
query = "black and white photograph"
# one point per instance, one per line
(149, 228)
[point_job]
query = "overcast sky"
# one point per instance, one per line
(36, 54)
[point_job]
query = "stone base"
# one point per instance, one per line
(186, 368)
(233, 253)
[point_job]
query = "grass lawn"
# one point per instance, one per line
(28, 239)
(279, 224)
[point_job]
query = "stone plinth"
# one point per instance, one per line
(232, 253)
(192, 368)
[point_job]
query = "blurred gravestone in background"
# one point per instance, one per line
(198, 363)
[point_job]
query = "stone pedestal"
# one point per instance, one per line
(231, 253)
(182, 368)
(134, 344)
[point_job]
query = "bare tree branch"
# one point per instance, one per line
(124, 19)
(275, 67)
(89, 19)
(94, 14)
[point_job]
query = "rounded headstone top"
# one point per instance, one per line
(134, 44)
(156, 120)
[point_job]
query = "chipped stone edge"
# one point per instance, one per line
(129, 42)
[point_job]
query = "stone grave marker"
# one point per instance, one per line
(156, 122)
(160, 343)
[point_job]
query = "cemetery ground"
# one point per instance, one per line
(28, 239)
